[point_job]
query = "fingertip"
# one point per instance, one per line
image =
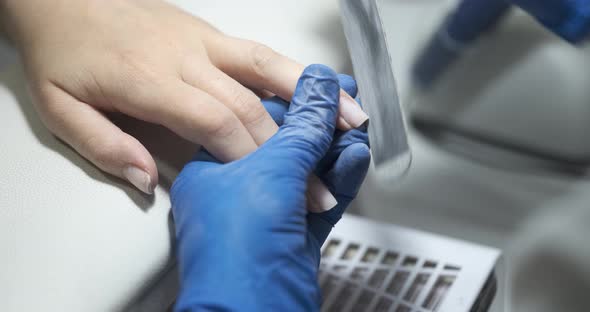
(350, 169)
(348, 84)
(139, 168)
(320, 71)
(360, 152)
(97, 139)
(311, 120)
(140, 178)
(317, 88)
(361, 149)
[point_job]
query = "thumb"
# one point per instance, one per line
(97, 139)
(309, 124)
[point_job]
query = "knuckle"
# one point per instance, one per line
(46, 101)
(260, 57)
(248, 108)
(222, 125)
(51, 111)
(137, 72)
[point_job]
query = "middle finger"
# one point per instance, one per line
(240, 100)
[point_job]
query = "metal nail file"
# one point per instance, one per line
(377, 88)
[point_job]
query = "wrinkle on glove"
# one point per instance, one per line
(569, 19)
(347, 159)
(245, 241)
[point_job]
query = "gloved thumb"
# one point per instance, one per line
(309, 125)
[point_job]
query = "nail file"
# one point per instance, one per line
(377, 88)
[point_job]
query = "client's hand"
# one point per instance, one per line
(245, 239)
(152, 61)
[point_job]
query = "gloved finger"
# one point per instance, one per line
(97, 139)
(349, 171)
(277, 107)
(309, 125)
(240, 100)
(259, 66)
(342, 140)
(345, 179)
(348, 84)
(318, 194)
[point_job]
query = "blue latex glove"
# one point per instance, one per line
(245, 240)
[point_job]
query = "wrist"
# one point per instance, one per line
(19, 17)
(25, 22)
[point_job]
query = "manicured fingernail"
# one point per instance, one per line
(351, 111)
(320, 196)
(343, 125)
(139, 178)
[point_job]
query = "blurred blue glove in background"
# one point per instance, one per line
(570, 19)
(245, 240)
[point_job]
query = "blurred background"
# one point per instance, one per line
(498, 116)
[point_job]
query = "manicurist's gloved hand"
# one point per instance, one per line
(245, 239)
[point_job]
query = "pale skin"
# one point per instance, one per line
(152, 61)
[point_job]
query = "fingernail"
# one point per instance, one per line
(351, 111)
(343, 125)
(139, 178)
(364, 126)
(320, 196)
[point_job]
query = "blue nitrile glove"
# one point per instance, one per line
(570, 19)
(243, 239)
(343, 182)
